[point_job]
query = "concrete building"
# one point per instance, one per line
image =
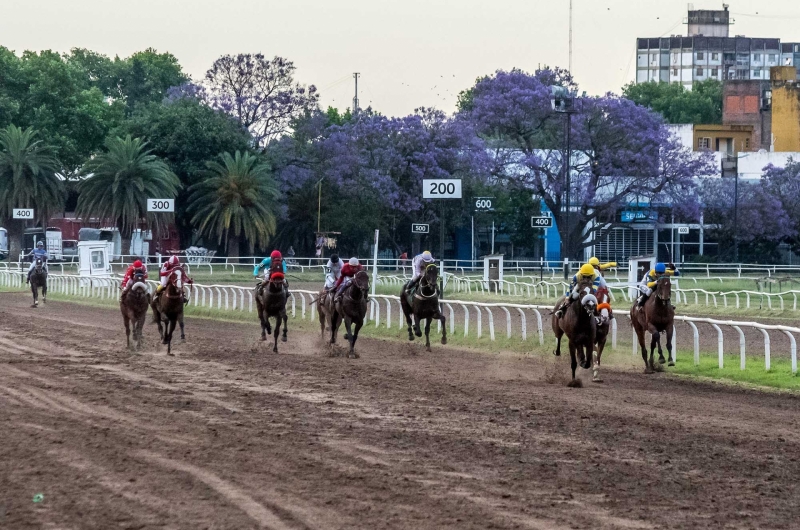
(708, 52)
(749, 103)
(785, 108)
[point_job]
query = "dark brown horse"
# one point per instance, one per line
(271, 302)
(423, 304)
(39, 279)
(656, 316)
(133, 306)
(579, 324)
(352, 309)
(168, 309)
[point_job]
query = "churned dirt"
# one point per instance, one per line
(227, 434)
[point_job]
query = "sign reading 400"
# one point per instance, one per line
(441, 188)
(160, 205)
(22, 213)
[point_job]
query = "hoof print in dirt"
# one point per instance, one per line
(575, 383)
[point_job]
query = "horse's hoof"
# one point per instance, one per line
(418, 333)
(346, 336)
(557, 353)
(410, 337)
(274, 350)
(284, 339)
(671, 363)
(444, 340)
(649, 371)
(171, 354)
(586, 366)
(427, 348)
(661, 360)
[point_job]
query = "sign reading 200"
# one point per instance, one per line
(441, 188)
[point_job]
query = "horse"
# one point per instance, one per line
(579, 324)
(271, 302)
(168, 309)
(133, 306)
(39, 279)
(656, 316)
(423, 303)
(603, 320)
(352, 309)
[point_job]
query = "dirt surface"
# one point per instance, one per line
(227, 434)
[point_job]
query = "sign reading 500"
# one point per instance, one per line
(441, 188)
(160, 205)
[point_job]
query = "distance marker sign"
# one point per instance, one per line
(441, 188)
(419, 228)
(22, 213)
(541, 222)
(160, 205)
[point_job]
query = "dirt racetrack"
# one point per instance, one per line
(228, 435)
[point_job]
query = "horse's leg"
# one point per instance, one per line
(261, 321)
(417, 322)
(44, 291)
(169, 331)
(443, 320)
(35, 291)
(335, 323)
(139, 330)
(348, 323)
(126, 321)
(670, 329)
(601, 344)
(654, 336)
(428, 334)
(640, 335)
(586, 354)
(277, 332)
(573, 357)
(180, 322)
(359, 323)
(410, 324)
(285, 325)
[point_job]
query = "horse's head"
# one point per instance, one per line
(361, 281)
(431, 274)
(664, 289)
(39, 264)
(176, 279)
(138, 276)
(589, 303)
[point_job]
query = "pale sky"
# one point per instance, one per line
(410, 53)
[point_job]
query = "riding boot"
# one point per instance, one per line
(564, 305)
(29, 277)
(642, 300)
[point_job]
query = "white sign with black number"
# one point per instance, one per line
(160, 205)
(22, 213)
(417, 228)
(541, 222)
(441, 188)
(484, 204)
(683, 229)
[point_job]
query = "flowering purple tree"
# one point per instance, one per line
(621, 152)
(259, 92)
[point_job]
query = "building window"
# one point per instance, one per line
(714, 72)
(674, 71)
(699, 71)
(674, 58)
(700, 56)
(797, 48)
(715, 56)
(757, 73)
(747, 143)
(704, 143)
(772, 57)
(756, 56)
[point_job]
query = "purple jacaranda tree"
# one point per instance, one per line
(261, 93)
(622, 153)
(374, 165)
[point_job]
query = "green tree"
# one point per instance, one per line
(145, 77)
(237, 198)
(701, 105)
(27, 180)
(119, 181)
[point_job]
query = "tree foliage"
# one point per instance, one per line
(700, 105)
(118, 182)
(238, 198)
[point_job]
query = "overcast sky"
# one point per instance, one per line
(410, 53)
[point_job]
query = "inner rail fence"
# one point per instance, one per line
(476, 319)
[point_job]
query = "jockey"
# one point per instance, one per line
(348, 273)
(651, 279)
(418, 267)
(127, 280)
(38, 252)
(586, 272)
(334, 267)
(267, 265)
(170, 266)
(602, 290)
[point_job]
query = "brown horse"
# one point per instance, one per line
(168, 309)
(38, 279)
(326, 310)
(579, 324)
(423, 304)
(656, 316)
(352, 309)
(271, 302)
(133, 306)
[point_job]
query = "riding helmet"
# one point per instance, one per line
(334, 258)
(661, 268)
(276, 254)
(594, 262)
(587, 270)
(426, 256)
(40, 244)
(137, 264)
(353, 262)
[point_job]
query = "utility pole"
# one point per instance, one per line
(355, 98)
(570, 38)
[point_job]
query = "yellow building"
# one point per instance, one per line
(728, 139)
(785, 108)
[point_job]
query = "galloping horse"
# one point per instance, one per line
(168, 309)
(352, 308)
(656, 316)
(424, 304)
(578, 323)
(271, 303)
(133, 306)
(39, 279)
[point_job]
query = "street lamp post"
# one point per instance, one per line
(563, 102)
(730, 168)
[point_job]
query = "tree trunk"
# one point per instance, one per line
(16, 230)
(233, 247)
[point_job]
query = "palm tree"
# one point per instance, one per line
(118, 183)
(237, 197)
(28, 179)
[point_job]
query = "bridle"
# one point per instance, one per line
(425, 282)
(663, 280)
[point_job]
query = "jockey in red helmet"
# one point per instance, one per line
(171, 265)
(127, 280)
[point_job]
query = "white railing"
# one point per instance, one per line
(238, 298)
